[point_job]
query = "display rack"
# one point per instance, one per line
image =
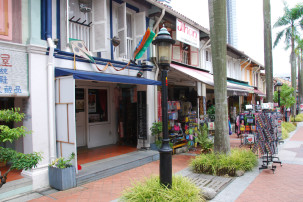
(266, 139)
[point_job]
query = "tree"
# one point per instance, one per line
(17, 160)
(217, 22)
(286, 96)
(299, 52)
(268, 50)
(289, 22)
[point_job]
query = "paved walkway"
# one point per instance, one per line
(111, 188)
(284, 185)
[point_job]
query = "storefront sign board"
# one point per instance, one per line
(13, 73)
(187, 34)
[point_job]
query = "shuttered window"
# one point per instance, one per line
(6, 19)
(99, 26)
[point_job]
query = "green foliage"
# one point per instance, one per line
(222, 164)
(62, 162)
(17, 160)
(156, 129)
(151, 190)
(289, 127)
(286, 96)
(205, 143)
(11, 134)
(211, 110)
(285, 134)
(8, 115)
(298, 118)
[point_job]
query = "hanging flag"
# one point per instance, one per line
(80, 49)
(144, 43)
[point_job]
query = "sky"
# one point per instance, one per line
(249, 27)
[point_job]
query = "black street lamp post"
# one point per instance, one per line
(279, 88)
(164, 43)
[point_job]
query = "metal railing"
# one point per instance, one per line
(81, 32)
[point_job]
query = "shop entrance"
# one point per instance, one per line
(128, 117)
(80, 117)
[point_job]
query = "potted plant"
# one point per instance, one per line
(62, 174)
(156, 130)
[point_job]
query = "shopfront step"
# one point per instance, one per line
(15, 188)
(107, 167)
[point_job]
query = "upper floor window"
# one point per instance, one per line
(6, 19)
(10, 21)
(130, 27)
(207, 56)
(184, 53)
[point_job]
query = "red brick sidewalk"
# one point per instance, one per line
(111, 188)
(285, 185)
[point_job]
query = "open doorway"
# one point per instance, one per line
(128, 117)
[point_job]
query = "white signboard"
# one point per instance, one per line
(13, 73)
(187, 34)
(267, 105)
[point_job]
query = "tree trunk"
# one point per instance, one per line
(300, 76)
(217, 24)
(268, 50)
(293, 74)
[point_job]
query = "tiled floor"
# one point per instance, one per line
(12, 175)
(89, 155)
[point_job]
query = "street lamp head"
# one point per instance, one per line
(279, 84)
(163, 43)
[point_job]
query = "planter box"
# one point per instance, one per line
(62, 179)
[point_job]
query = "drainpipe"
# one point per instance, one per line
(246, 65)
(255, 73)
(157, 68)
(159, 20)
(50, 84)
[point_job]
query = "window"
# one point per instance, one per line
(207, 56)
(6, 19)
(79, 27)
(130, 27)
(182, 52)
(97, 105)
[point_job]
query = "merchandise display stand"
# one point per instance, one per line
(267, 139)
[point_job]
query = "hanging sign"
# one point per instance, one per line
(187, 34)
(13, 73)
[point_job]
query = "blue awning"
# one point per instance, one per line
(96, 76)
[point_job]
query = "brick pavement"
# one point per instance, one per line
(111, 188)
(287, 181)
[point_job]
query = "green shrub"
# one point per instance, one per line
(285, 134)
(298, 118)
(288, 126)
(151, 190)
(221, 164)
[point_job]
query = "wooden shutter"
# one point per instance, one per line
(176, 52)
(99, 28)
(122, 29)
(6, 19)
(194, 56)
(140, 28)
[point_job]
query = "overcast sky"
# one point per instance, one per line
(249, 27)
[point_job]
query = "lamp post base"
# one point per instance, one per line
(166, 164)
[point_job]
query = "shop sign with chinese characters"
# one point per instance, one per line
(13, 73)
(187, 34)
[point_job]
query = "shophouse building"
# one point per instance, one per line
(73, 102)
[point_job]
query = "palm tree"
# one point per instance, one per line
(268, 50)
(217, 22)
(299, 52)
(289, 22)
